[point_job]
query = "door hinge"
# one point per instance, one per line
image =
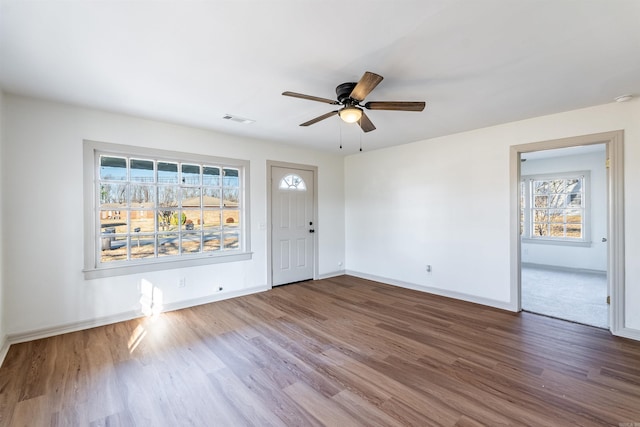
(607, 164)
(608, 299)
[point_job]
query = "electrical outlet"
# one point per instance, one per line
(428, 268)
(182, 282)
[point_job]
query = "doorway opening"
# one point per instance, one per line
(563, 234)
(567, 229)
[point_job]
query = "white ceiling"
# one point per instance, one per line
(475, 62)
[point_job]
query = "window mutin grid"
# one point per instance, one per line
(153, 209)
(554, 207)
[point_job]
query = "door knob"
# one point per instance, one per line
(312, 231)
(604, 239)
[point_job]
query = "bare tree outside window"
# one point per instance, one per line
(553, 208)
(153, 208)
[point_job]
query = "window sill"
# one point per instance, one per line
(557, 242)
(121, 270)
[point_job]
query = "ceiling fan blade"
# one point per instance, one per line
(319, 118)
(395, 106)
(311, 98)
(365, 123)
(366, 84)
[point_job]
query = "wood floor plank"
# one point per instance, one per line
(31, 412)
(342, 351)
(326, 411)
(362, 410)
(237, 398)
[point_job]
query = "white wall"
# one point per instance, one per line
(446, 202)
(593, 257)
(2, 303)
(42, 221)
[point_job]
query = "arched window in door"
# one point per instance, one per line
(293, 182)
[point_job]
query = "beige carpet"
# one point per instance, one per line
(571, 295)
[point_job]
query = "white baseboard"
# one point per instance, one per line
(632, 334)
(436, 291)
(121, 317)
(4, 348)
(562, 268)
(331, 274)
(213, 298)
(37, 334)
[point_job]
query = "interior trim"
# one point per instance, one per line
(124, 316)
(4, 349)
(503, 305)
(331, 274)
(614, 142)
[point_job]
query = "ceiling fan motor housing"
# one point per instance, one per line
(344, 91)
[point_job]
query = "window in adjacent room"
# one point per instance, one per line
(151, 207)
(553, 208)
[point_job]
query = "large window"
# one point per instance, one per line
(152, 207)
(553, 208)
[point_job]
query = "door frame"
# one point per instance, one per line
(314, 171)
(614, 142)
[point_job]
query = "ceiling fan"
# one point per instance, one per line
(350, 95)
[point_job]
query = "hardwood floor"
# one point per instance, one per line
(342, 351)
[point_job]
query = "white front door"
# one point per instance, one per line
(292, 225)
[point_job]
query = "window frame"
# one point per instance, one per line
(527, 221)
(94, 268)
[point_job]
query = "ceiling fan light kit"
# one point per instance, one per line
(350, 95)
(350, 114)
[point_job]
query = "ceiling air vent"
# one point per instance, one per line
(237, 119)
